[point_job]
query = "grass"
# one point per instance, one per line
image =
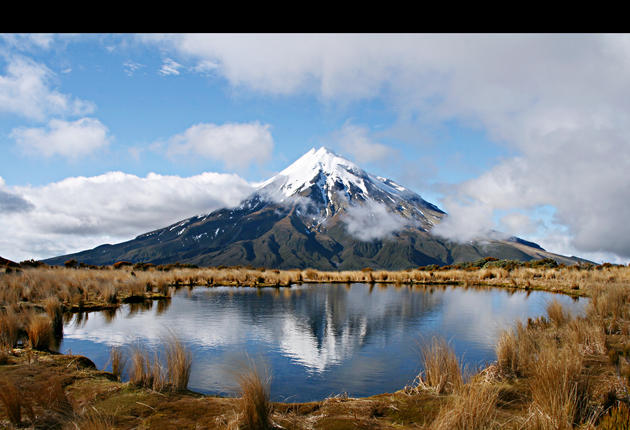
(40, 332)
(118, 362)
(255, 406)
(442, 371)
(12, 401)
(472, 406)
(557, 371)
(178, 363)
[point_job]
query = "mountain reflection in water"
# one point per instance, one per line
(317, 340)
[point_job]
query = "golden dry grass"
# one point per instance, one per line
(472, 406)
(178, 363)
(39, 330)
(442, 371)
(255, 406)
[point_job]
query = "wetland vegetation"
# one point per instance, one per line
(557, 371)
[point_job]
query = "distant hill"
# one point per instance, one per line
(4, 261)
(322, 211)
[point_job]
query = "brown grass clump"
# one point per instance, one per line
(558, 389)
(145, 372)
(557, 314)
(51, 396)
(40, 331)
(13, 401)
(139, 371)
(54, 309)
(178, 362)
(91, 419)
(118, 361)
(255, 405)
(442, 371)
(515, 349)
(9, 328)
(473, 406)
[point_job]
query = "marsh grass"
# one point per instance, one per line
(255, 405)
(118, 362)
(39, 330)
(13, 401)
(51, 396)
(178, 363)
(9, 328)
(442, 371)
(472, 406)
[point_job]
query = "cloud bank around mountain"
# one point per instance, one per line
(561, 102)
(78, 213)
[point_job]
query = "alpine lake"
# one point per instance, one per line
(314, 340)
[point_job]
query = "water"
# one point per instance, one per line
(316, 340)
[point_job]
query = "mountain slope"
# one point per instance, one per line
(322, 211)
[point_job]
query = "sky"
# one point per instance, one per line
(105, 137)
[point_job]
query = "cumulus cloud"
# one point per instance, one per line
(236, 145)
(113, 207)
(25, 90)
(70, 139)
(356, 141)
(560, 102)
(12, 203)
(372, 220)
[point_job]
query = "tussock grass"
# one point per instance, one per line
(557, 314)
(559, 393)
(178, 363)
(442, 371)
(472, 406)
(40, 331)
(13, 401)
(118, 361)
(51, 396)
(9, 328)
(255, 406)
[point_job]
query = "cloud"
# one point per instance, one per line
(236, 145)
(130, 67)
(355, 140)
(12, 203)
(112, 207)
(372, 221)
(25, 90)
(68, 139)
(27, 42)
(560, 102)
(170, 67)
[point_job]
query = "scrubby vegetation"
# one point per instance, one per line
(558, 371)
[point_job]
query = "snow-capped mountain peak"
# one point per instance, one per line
(333, 183)
(307, 169)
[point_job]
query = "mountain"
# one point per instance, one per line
(322, 211)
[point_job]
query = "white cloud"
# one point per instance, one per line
(83, 212)
(27, 42)
(26, 90)
(371, 221)
(170, 67)
(356, 141)
(561, 102)
(68, 139)
(236, 145)
(130, 67)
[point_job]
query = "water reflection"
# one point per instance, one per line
(318, 339)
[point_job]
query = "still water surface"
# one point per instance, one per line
(316, 340)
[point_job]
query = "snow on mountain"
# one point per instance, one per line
(333, 184)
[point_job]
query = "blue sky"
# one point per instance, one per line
(522, 133)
